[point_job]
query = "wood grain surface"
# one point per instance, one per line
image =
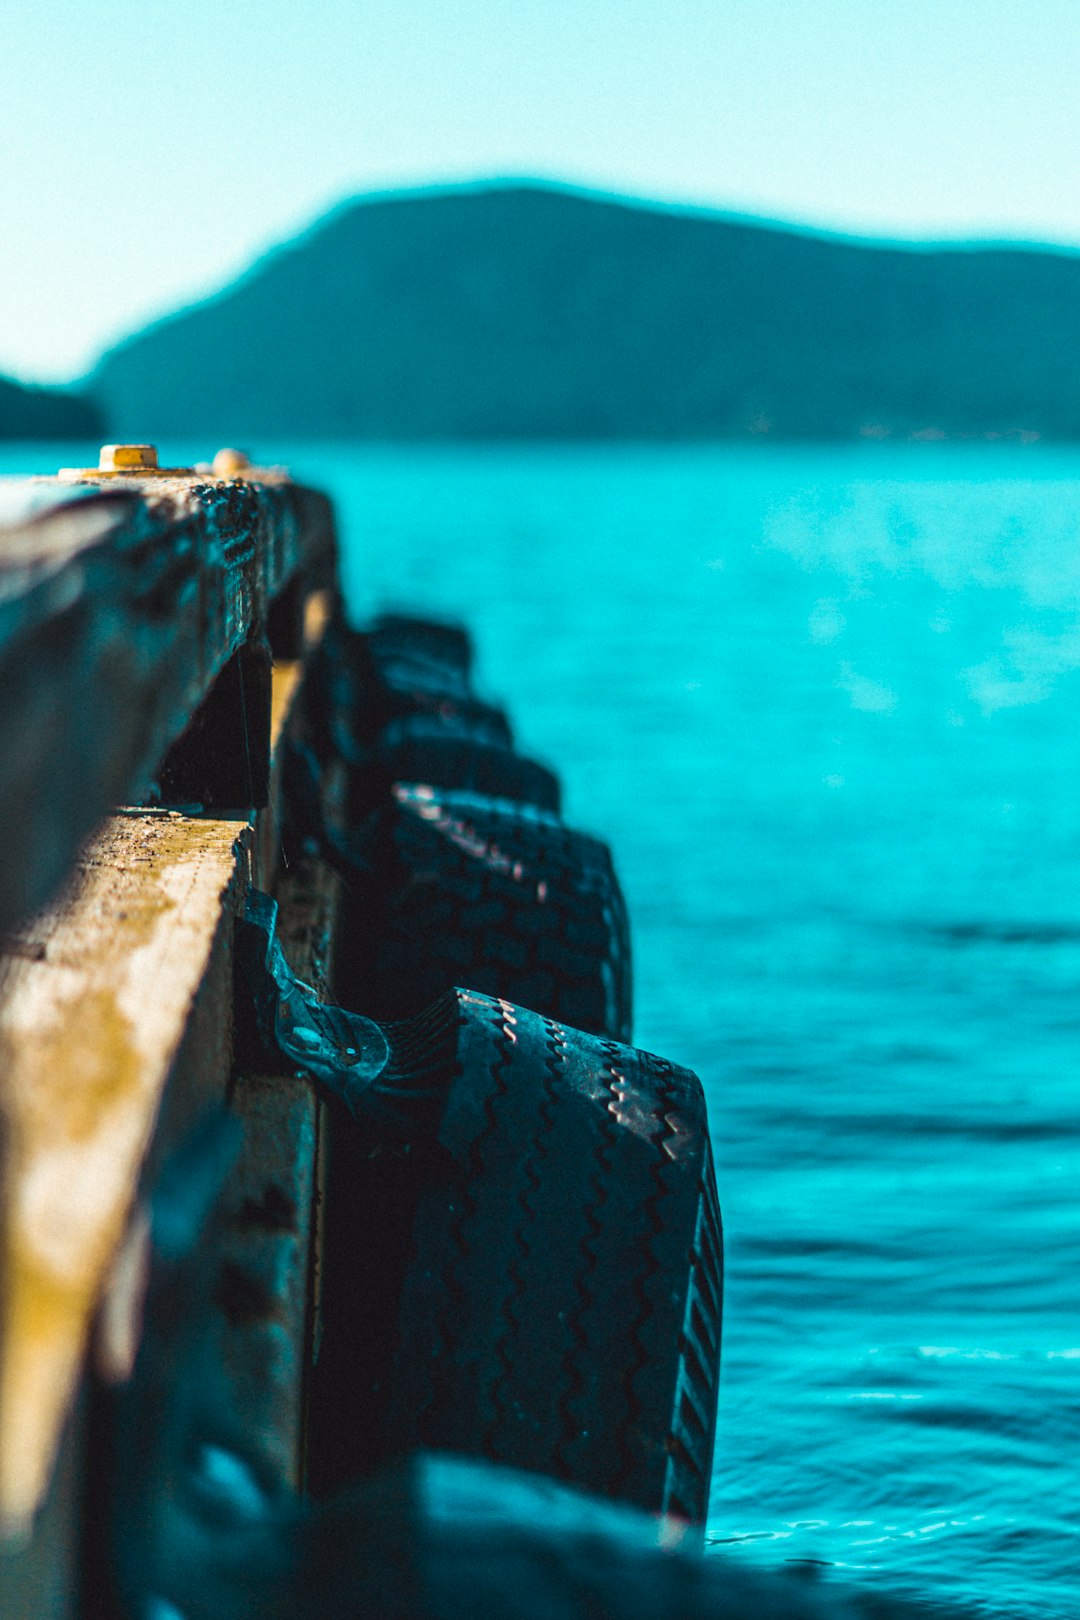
(119, 605)
(94, 1010)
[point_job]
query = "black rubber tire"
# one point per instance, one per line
(399, 636)
(495, 1544)
(434, 681)
(339, 676)
(500, 896)
(558, 1305)
(420, 753)
(473, 722)
(380, 713)
(444, 1538)
(421, 669)
(359, 683)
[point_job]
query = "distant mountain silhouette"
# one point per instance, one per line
(536, 312)
(46, 413)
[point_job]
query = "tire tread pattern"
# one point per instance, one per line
(559, 1315)
(493, 894)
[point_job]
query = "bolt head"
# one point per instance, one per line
(128, 458)
(227, 463)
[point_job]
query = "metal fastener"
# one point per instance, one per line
(123, 461)
(128, 458)
(231, 464)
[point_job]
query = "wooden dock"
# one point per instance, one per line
(522, 1260)
(153, 633)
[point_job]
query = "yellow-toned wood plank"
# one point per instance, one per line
(97, 1004)
(285, 712)
(285, 687)
(39, 1576)
(284, 691)
(318, 612)
(286, 684)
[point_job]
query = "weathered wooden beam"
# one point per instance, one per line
(120, 603)
(39, 1574)
(124, 984)
(270, 1245)
(122, 611)
(115, 1034)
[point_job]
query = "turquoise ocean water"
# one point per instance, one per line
(825, 704)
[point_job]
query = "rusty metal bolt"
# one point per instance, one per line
(128, 458)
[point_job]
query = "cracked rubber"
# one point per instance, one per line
(500, 896)
(558, 1305)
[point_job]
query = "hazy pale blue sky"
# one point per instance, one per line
(149, 150)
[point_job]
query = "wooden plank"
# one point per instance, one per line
(268, 1291)
(286, 685)
(124, 980)
(288, 678)
(119, 605)
(267, 1285)
(39, 1576)
(117, 611)
(118, 1000)
(284, 694)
